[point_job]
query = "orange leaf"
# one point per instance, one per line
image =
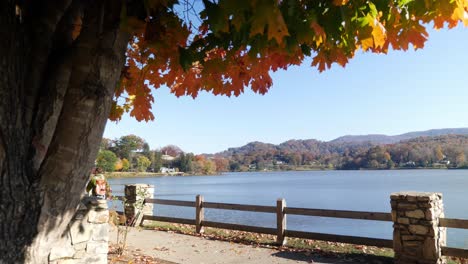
(417, 36)
(340, 2)
(321, 61)
(277, 27)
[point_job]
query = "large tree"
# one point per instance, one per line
(126, 145)
(65, 66)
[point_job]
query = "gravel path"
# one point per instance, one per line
(188, 249)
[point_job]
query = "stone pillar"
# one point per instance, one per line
(87, 239)
(417, 237)
(134, 197)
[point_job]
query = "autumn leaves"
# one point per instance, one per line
(236, 44)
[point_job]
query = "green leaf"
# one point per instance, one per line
(373, 9)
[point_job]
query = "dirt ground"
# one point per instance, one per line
(168, 247)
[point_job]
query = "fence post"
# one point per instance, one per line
(134, 206)
(200, 214)
(417, 237)
(280, 222)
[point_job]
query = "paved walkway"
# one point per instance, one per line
(188, 249)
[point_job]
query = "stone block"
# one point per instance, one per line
(407, 206)
(96, 259)
(98, 204)
(100, 232)
(430, 213)
(417, 214)
(80, 231)
(413, 250)
(80, 214)
(79, 254)
(412, 238)
(418, 229)
(95, 247)
(63, 261)
(61, 252)
(403, 220)
(425, 205)
(80, 246)
(430, 249)
(425, 198)
(394, 216)
(98, 217)
(405, 232)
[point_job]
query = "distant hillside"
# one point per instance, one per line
(425, 149)
(338, 145)
(384, 139)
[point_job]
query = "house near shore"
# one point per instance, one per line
(167, 157)
(167, 170)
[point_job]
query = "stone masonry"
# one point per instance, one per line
(134, 196)
(417, 237)
(87, 240)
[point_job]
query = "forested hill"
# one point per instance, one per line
(414, 151)
(384, 139)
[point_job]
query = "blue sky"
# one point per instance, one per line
(375, 94)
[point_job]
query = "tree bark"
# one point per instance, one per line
(55, 97)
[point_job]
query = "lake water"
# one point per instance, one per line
(341, 190)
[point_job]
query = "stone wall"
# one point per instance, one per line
(87, 240)
(417, 237)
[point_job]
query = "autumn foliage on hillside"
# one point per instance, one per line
(446, 151)
(225, 46)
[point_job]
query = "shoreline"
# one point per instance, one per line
(123, 175)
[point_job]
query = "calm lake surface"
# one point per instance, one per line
(341, 190)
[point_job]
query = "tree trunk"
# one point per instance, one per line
(55, 96)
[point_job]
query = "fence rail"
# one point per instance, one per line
(170, 202)
(169, 219)
(455, 252)
(453, 223)
(340, 214)
(241, 207)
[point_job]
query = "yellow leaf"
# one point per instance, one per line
(365, 38)
(367, 43)
(460, 13)
(378, 34)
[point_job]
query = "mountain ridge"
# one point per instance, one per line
(386, 139)
(339, 144)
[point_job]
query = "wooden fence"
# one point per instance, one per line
(281, 211)
(454, 223)
(281, 231)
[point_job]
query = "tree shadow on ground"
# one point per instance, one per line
(309, 256)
